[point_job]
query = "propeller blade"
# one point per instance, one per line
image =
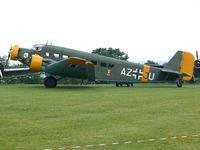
(7, 60)
(197, 55)
(1, 74)
(1, 70)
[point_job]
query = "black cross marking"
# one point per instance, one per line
(138, 73)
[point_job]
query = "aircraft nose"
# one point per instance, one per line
(14, 52)
(24, 53)
(17, 53)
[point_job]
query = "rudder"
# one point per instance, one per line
(187, 65)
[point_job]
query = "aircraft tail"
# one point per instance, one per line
(182, 64)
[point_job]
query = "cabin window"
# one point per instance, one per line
(47, 54)
(94, 62)
(56, 55)
(110, 65)
(65, 56)
(103, 64)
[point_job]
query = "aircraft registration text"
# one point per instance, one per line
(136, 73)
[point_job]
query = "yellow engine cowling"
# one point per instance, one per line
(14, 52)
(36, 63)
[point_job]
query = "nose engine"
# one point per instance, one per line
(14, 52)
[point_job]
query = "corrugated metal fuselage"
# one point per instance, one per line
(107, 69)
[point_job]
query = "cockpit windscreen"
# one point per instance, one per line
(37, 47)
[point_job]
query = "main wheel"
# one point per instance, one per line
(117, 84)
(179, 83)
(50, 82)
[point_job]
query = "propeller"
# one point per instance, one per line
(9, 53)
(197, 55)
(1, 70)
(197, 61)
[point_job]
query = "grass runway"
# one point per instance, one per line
(35, 118)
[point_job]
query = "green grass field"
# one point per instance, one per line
(35, 118)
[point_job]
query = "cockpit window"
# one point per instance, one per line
(37, 47)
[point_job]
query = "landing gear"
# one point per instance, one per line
(50, 82)
(179, 83)
(121, 84)
(191, 81)
(117, 84)
(131, 84)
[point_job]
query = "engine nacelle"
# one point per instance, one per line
(36, 63)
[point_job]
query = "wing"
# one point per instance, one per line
(14, 72)
(72, 67)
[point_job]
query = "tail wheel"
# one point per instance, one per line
(192, 80)
(50, 82)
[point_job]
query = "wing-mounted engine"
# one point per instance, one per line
(36, 63)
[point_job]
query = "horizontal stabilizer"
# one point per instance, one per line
(175, 72)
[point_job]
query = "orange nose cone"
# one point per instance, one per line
(14, 52)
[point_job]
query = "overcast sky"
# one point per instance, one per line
(144, 29)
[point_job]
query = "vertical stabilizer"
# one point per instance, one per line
(182, 62)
